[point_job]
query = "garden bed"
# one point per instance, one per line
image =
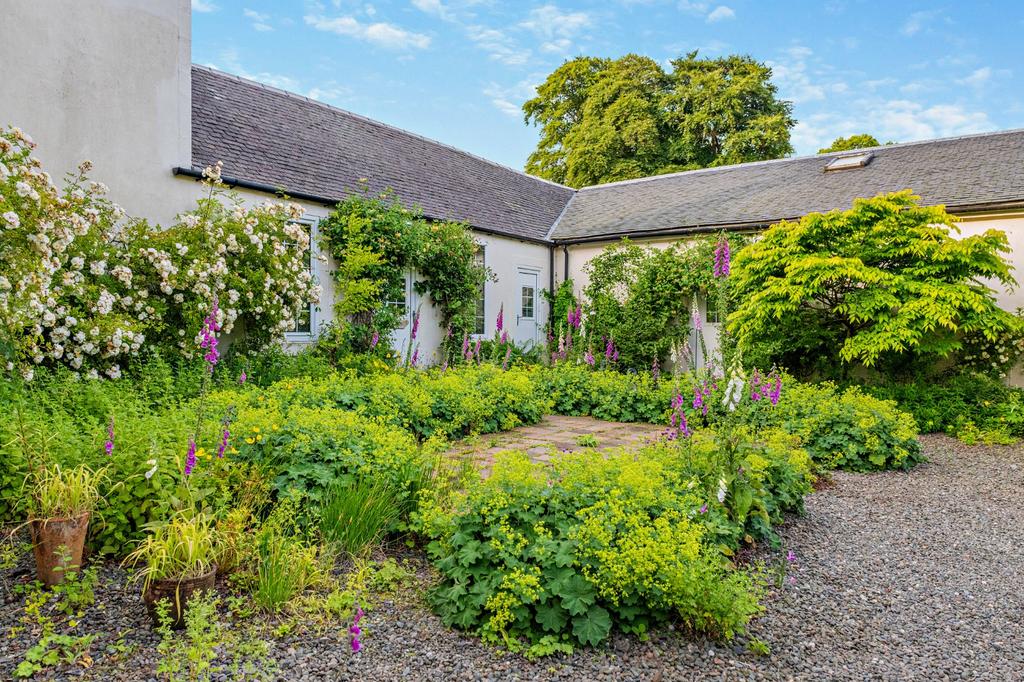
(897, 576)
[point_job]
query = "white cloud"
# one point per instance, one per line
(978, 77)
(499, 46)
(892, 119)
(430, 6)
(693, 7)
(549, 21)
(232, 64)
(508, 100)
(380, 33)
(556, 29)
(704, 9)
(918, 21)
(721, 13)
(203, 6)
(329, 92)
(260, 20)
(791, 74)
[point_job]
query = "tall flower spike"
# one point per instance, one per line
(374, 339)
(190, 458)
(415, 324)
(721, 268)
(108, 447)
(500, 322)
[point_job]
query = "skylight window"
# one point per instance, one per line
(849, 162)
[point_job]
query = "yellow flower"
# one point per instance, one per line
(274, 427)
(259, 438)
(250, 441)
(201, 452)
(255, 429)
(233, 451)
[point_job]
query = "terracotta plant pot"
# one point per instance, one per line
(177, 592)
(57, 545)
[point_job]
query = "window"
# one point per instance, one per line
(849, 162)
(480, 319)
(304, 316)
(529, 294)
(711, 309)
(401, 306)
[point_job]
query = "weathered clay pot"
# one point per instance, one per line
(177, 592)
(57, 545)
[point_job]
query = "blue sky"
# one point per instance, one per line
(458, 70)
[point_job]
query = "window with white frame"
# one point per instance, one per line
(711, 309)
(304, 316)
(480, 318)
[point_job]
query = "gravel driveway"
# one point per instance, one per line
(898, 576)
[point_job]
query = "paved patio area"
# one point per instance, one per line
(557, 433)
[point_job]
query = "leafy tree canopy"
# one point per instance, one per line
(882, 285)
(603, 120)
(844, 144)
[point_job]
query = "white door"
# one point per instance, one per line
(529, 309)
(406, 309)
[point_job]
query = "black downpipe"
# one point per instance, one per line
(551, 287)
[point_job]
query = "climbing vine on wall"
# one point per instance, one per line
(375, 241)
(642, 297)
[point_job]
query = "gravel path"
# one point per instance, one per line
(899, 576)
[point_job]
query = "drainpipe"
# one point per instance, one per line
(551, 286)
(565, 250)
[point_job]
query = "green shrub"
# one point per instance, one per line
(312, 449)
(540, 557)
(849, 429)
(948, 404)
(577, 390)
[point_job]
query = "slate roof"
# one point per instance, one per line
(963, 172)
(273, 137)
(282, 140)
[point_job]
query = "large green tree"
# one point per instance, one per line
(603, 120)
(844, 144)
(887, 284)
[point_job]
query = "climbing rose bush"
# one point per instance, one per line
(82, 287)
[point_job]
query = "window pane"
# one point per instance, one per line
(480, 320)
(304, 315)
(711, 309)
(527, 307)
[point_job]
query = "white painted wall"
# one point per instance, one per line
(110, 81)
(1012, 223)
(107, 81)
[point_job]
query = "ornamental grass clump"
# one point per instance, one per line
(64, 492)
(354, 517)
(181, 549)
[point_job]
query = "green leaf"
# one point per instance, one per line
(552, 617)
(470, 552)
(593, 626)
(577, 594)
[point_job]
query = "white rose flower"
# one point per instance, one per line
(12, 219)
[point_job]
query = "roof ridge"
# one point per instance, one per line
(367, 119)
(805, 157)
(554, 225)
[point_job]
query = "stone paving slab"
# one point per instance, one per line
(556, 433)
